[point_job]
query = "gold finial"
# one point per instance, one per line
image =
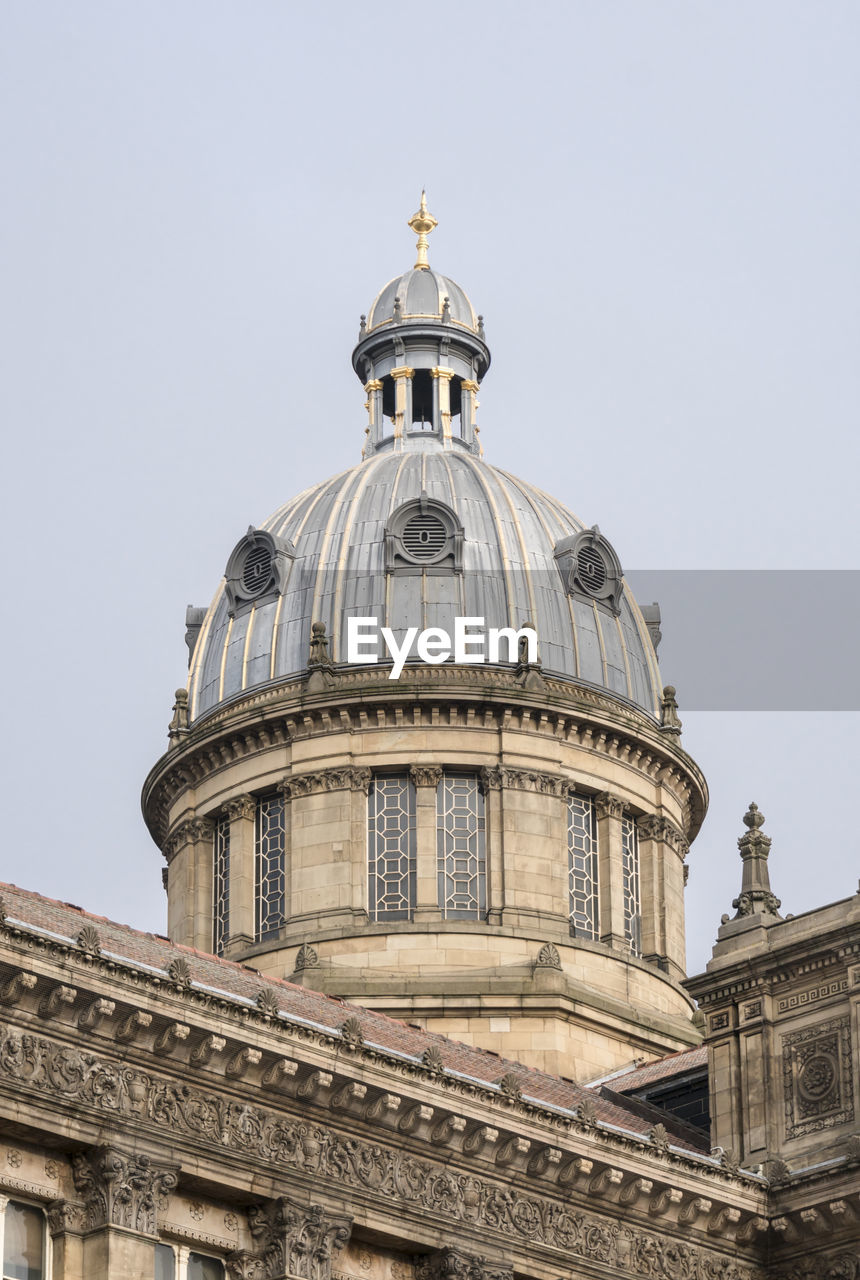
(422, 223)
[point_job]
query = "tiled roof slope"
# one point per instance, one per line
(117, 941)
(675, 1064)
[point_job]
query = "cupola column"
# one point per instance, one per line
(442, 400)
(189, 883)
(373, 404)
(468, 410)
(426, 779)
(242, 813)
(609, 809)
(402, 400)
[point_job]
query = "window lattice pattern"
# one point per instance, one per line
(391, 848)
(630, 874)
(271, 874)
(221, 883)
(460, 847)
(582, 866)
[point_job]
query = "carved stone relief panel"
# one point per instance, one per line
(816, 1073)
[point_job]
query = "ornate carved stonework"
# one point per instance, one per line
(816, 1072)
(241, 807)
(547, 784)
(843, 1264)
(548, 957)
(89, 941)
(121, 1190)
(296, 1240)
(349, 778)
(452, 1264)
(426, 775)
(607, 805)
(306, 958)
(61, 1073)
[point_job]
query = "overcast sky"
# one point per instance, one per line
(655, 207)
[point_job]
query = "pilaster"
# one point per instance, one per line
(468, 409)
(426, 779)
(609, 809)
(121, 1195)
(402, 399)
(292, 1241)
(241, 812)
(442, 400)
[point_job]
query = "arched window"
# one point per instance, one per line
(582, 867)
(630, 881)
(23, 1242)
(461, 861)
(391, 847)
(221, 884)
(270, 874)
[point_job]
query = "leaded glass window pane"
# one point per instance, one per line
(221, 883)
(271, 875)
(23, 1243)
(460, 847)
(165, 1262)
(391, 848)
(630, 874)
(582, 866)
(202, 1268)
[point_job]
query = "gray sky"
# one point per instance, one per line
(654, 205)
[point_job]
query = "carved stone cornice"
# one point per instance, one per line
(296, 1240)
(347, 778)
(295, 1145)
(267, 718)
(121, 1190)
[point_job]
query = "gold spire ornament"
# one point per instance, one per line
(422, 223)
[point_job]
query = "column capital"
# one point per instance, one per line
(426, 775)
(297, 1240)
(403, 371)
(441, 371)
(373, 385)
(453, 1264)
(468, 385)
(607, 805)
(241, 807)
(121, 1190)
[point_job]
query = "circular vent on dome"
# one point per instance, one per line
(424, 537)
(591, 569)
(257, 569)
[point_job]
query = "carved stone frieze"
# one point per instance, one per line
(64, 1075)
(121, 1190)
(842, 1264)
(296, 1240)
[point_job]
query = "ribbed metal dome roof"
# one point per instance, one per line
(510, 575)
(422, 293)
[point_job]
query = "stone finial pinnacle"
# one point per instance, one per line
(756, 897)
(422, 223)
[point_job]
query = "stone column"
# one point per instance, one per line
(293, 1241)
(442, 400)
(182, 1255)
(121, 1194)
(426, 779)
(491, 780)
(402, 399)
(4, 1200)
(468, 408)
(610, 880)
(242, 813)
(189, 884)
(66, 1245)
(373, 390)
(652, 858)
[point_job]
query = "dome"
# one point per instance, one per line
(514, 552)
(422, 294)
